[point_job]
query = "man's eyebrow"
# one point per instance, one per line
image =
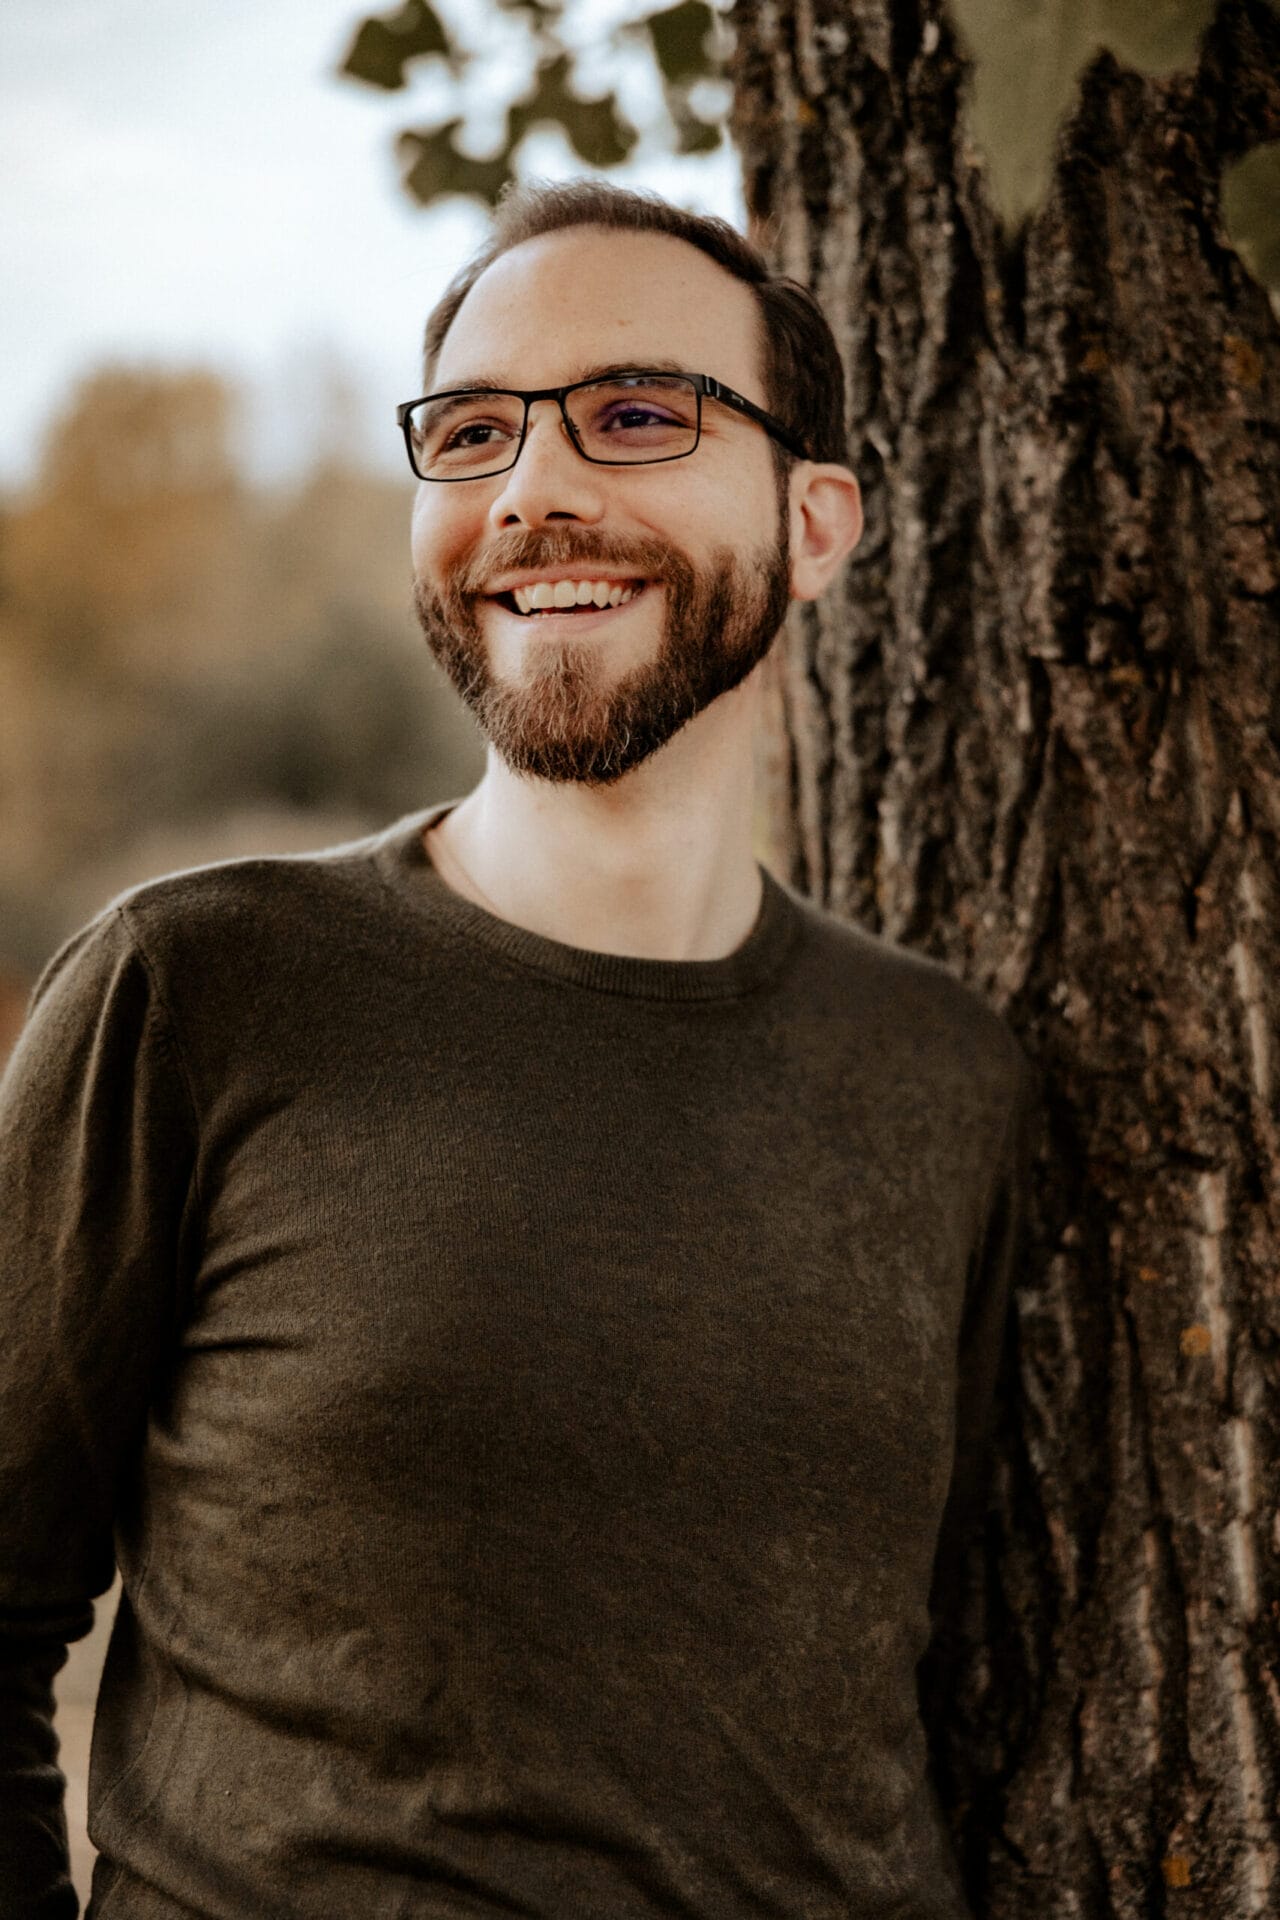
(599, 370)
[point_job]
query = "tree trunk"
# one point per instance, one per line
(1036, 737)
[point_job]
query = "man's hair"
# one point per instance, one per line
(803, 375)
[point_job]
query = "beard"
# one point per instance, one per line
(562, 722)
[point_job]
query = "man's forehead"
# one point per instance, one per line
(505, 378)
(585, 301)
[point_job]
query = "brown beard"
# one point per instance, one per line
(559, 724)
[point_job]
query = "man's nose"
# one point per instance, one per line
(550, 480)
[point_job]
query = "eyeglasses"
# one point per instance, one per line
(627, 420)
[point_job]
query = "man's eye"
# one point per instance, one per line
(472, 434)
(632, 417)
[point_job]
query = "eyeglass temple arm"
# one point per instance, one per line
(727, 396)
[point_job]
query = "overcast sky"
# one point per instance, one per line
(188, 182)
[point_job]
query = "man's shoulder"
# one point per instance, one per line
(218, 891)
(917, 1008)
(236, 914)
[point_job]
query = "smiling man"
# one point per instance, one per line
(662, 510)
(519, 1297)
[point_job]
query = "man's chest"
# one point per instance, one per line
(617, 1292)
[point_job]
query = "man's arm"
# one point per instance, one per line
(97, 1156)
(985, 1358)
(984, 1328)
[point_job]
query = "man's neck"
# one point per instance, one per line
(680, 882)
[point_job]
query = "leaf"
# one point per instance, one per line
(695, 135)
(1250, 203)
(679, 35)
(596, 130)
(542, 13)
(435, 167)
(382, 48)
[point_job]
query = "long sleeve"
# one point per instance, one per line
(985, 1356)
(97, 1156)
(983, 1334)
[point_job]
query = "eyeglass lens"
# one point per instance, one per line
(622, 421)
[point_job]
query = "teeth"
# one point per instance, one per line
(572, 593)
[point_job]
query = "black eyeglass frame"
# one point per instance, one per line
(702, 383)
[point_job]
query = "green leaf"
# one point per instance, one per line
(679, 35)
(597, 132)
(596, 129)
(382, 48)
(693, 133)
(433, 167)
(1250, 205)
(696, 135)
(542, 13)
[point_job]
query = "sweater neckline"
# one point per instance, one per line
(402, 859)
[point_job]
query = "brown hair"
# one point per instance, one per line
(803, 375)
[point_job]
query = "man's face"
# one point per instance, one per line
(587, 695)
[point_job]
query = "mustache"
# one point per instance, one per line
(525, 550)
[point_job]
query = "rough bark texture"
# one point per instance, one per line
(1036, 736)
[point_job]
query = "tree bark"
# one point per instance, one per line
(1035, 735)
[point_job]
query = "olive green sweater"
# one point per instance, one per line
(528, 1393)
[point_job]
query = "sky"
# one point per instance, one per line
(189, 183)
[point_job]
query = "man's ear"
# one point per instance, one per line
(826, 524)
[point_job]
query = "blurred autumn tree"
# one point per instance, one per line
(192, 667)
(137, 483)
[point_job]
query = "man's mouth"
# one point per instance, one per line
(542, 597)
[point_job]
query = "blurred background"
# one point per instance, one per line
(223, 227)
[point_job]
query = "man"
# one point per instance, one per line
(519, 1295)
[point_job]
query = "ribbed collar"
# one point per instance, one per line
(402, 859)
